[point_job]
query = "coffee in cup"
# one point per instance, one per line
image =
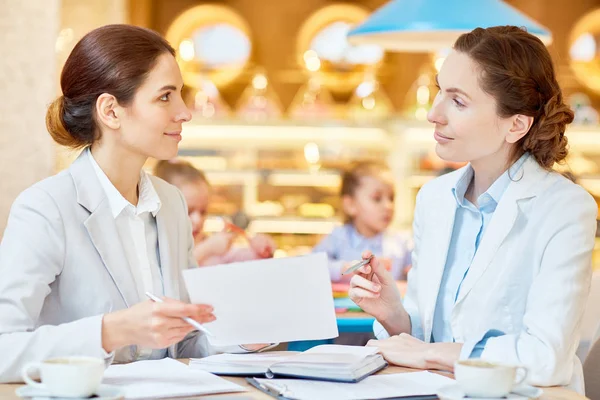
(74, 376)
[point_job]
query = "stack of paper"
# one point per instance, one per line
(165, 378)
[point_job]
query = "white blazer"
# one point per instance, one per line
(530, 277)
(62, 267)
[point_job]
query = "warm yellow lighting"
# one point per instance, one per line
(208, 111)
(312, 179)
(311, 153)
(368, 103)
(309, 55)
(365, 88)
(423, 95)
(281, 136)
(313, 64)
(259, 82)
(311, 60)
(200, 99)
(186, 50)
(421, 114)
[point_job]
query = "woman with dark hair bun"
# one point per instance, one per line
(501, 266)
(83, 247)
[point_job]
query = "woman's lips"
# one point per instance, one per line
(441, 138)
(174, 135)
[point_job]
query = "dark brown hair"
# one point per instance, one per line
(177, 171)
(114, 59)
(517, 70)
(351, 178)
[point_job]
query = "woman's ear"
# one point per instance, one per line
(519, 128)
(107, 111)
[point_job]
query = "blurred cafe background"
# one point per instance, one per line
(282, 102)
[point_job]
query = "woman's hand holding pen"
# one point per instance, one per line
(151, 324)
(375, 291)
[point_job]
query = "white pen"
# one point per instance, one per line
(190, 321)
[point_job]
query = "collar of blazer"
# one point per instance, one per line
(438, 199)
(89, 191)
(102, 228)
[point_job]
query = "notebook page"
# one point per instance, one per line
(362, 351)
(263, 359)
(165, 378)
(333, 355)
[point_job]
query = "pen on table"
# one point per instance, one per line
(190, 321)
(267, 387)
(357, 265)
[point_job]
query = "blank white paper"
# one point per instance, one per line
(165, 378)
(266, 301)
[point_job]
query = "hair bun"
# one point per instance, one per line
(546, 140)
(55, 124)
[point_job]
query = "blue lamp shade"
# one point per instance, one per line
(432, 25)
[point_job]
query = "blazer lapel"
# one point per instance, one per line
(502, 222)
(103, 232)
(432, 259)
(167, 249)
(167, 234)
(168, 240)
(102, 228)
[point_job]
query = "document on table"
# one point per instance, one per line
(374, 387)
(266, 301)
(165, 378)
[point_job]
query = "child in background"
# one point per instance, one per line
(368, 204)
(214, 249)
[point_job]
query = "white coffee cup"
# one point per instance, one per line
(479, 378)
(66, 376)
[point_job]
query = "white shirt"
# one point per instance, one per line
(137, 230)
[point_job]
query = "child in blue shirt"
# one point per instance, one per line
(368, 204)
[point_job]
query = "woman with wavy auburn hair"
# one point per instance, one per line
(502, 261)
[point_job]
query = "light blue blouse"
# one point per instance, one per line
(470, 224)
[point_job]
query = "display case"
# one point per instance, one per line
(286, 176)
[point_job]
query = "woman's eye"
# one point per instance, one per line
(458, 103)
(165, 97)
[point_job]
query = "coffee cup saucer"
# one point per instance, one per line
(104, 392)
(522, 391)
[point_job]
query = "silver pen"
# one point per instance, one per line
(358, 265)
(190, 321)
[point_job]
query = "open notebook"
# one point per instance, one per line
(327, 362)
